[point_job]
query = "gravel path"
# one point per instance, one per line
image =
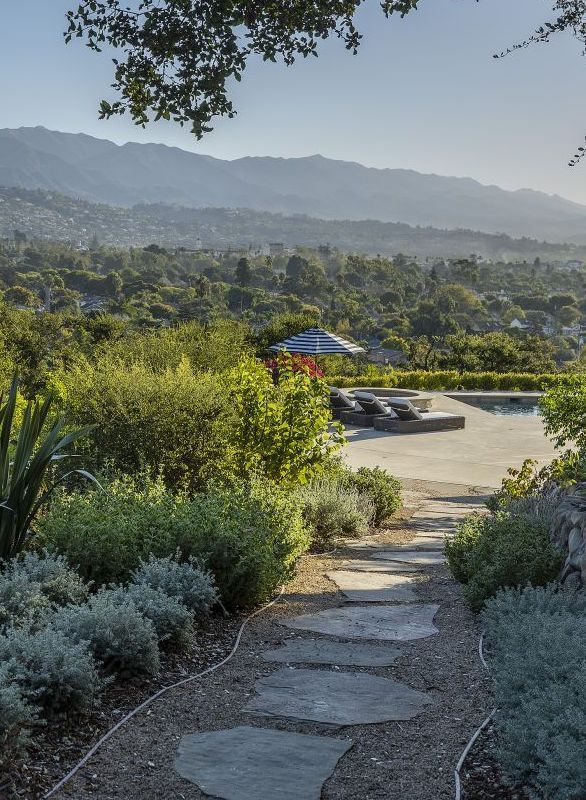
(411, 758)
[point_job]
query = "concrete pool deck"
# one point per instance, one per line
(479, 455)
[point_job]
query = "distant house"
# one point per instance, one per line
(386, 357)
(89, 304)
(549, 327)
(571, 330)
(516, 323)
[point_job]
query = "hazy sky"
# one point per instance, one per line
(423, 93)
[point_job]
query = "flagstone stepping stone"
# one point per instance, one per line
(335, 698)
(399, 623)
(410, 557)
(428, 526)
(373, 587)
(368, 565)
(447, 508)
(433, 512)
(326, 651)
(427, 543)
(248, 763)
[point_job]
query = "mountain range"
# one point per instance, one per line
(40, 214)
(99, 171)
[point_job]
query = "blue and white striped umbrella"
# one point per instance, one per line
(317, 342)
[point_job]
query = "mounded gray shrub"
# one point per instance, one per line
(119, 636)
(51, 671)
(187, 582)
(33, 583)
(22, 601)
(58, 579)
(536, 644)
(170, 618)
(332, 510)
(16, 718)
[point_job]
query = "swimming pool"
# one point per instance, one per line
(506, 406)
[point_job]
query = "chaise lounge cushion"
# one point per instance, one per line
(368, 408)
(339, 401)
(432, 421)
(405, 409)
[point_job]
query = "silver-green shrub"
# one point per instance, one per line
(58, 580)
(33, 583)
(170, 618)
(51, 670)
(119, 636)
(22, 601)
(536, 507)
(16, 718)
(187, 582)
(536, 644)
(334, 510)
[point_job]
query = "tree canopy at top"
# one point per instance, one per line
(178, 56)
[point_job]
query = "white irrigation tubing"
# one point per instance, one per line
(476, 734)
(156, 696)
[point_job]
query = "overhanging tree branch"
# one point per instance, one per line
(178, 57)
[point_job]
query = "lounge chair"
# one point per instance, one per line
(368, 408)
(409, 419)
(339, 401)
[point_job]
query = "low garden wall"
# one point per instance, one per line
(568, 530)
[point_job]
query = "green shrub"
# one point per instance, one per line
(332, 510)
(187, 582)
(282, 431)
(171, 619)
(106, 534)
(207, 348)
(52, 670)
(119, 636)
(565, 470)
(536, 644)
(452, 380)
(173, 422)
(16, 718)
(563, 408)
(248, 536)
(381, 487)
(510, 548)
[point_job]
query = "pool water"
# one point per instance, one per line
(510, 408)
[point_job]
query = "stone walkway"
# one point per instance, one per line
(379, 606)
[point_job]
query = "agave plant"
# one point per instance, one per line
(26, 458)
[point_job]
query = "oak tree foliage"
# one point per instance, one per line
(177, 58)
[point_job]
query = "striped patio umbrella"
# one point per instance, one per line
(317, 342)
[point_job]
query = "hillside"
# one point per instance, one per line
(101, 171)
(49, 215)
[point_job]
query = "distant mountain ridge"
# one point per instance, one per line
(49, 215)
(100, 171)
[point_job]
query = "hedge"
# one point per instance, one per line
(451, 380)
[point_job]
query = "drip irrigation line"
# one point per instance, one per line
(156, 696)
(477, 732)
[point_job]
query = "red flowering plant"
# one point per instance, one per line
(295, 362)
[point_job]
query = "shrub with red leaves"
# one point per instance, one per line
(296, 362)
